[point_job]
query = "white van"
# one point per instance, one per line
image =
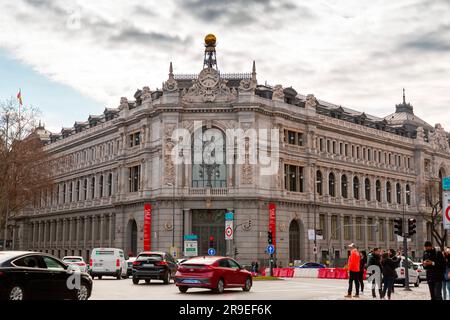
(108, 262)
(401, 273)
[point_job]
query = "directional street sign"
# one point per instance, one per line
(212, 251)
(270, 249)
(229, 216)
(190, 248)
(446, 183)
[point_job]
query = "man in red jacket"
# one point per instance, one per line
(353, 269)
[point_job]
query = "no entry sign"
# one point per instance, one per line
(446, 209)
(228, 229)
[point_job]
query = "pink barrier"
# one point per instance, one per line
(322, 273)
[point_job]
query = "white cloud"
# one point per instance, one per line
(354, 53)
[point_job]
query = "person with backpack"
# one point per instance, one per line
(388, 270)
(375, 260)
(353, 269)
(434, 264)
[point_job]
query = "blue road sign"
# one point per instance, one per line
(229, 216)
(446, 183)
(212, 251)
(190, 237)
(270, 249)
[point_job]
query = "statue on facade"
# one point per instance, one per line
(311, 102)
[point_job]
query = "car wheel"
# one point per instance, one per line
(220, 286)
(16, 293)
(125, 277)
(99, 277)
(135, 281)
(248, 284)
(147, 280)
(167, 277)
(83, 292)
(183, 289)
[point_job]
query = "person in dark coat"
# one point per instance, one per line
(388, 270)
(446, 283)
(362, 268)
(396, 259)
(434, 264)
(375, 260)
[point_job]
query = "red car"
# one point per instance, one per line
(216, 273)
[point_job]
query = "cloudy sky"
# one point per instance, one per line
(72, 59)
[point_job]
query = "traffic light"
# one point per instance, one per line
(398, 226)
(211, 242)
(411, 227)
(269, 237)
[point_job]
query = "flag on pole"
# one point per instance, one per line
(19, 97)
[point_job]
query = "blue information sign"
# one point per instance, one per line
(270, 249)
(212, 251)
(446, 183)
(229, 216)
(190, 237)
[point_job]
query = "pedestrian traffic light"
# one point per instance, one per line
(411, 227)
(211, 242)
(269, 237)
(398, 226)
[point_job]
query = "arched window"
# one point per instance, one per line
(331, 185)
(78, 197)
(319, 182)
(388, 192)
(344, 186)
(85, 189)
(209, 169)
(398, 193)
(92, 187)
(378, 190)
(356, 188)
(109, 184)
(408, 194)
(367, 189)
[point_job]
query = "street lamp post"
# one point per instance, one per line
(173, 212)
(315, 220)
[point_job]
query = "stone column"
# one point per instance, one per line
(102, 218)
(57, 238)
(365, 234)
(70, 232)
(52, 222)
(39, 224)
(93, 231)
(77, 231)
(85, 232)
(111, 226)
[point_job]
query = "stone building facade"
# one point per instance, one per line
(348, 173)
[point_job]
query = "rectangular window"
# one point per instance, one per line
(381, 230)
(347, 228)
(293, 178)
(359, 230)
(299, 139)
(134, 139)
(391, 230)
(334, 226)
(346, 150)
(134, 178)
(370, 229)
(322, 224)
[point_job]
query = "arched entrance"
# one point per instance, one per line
(132, 238)
(294, 241)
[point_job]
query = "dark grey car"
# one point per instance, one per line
(154, 266)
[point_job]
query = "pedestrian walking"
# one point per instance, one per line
(375, 260)
(388, 270)
(434, 264)
(446, 282)
(353, 269)
(362, 269)
(396, 259)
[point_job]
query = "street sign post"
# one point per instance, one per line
(270, 249)
(211, 251)
(190, 248)
(446, 209)
(228, 229)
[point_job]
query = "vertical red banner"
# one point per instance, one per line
(272, 222)
(147, 227)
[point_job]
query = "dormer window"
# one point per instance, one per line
(135, 139)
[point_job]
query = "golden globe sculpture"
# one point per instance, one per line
(210, 40)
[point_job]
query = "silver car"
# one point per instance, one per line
(418, 266)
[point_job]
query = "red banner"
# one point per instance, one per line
(147, 227)
(272, 219)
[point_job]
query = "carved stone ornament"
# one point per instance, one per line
(123, 103)
(278, 93)
(168, 226)
(311, 101)
(247, 85)
(146, 93)
(170, 85)
(440, 138)
(169, 167)
(209, 87)
(282, 227)
(420, 134)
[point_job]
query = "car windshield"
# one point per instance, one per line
(151, 256)
(104, 252)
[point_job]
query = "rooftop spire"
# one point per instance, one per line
(170, 71)
(254, 71)
(404, 99)
(404, 107)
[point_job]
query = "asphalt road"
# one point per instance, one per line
(286, 289)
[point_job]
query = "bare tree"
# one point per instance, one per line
(433, 197)
(24, 165)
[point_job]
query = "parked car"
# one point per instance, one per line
(77, 262)
(215, 273)
(418, 266)
(108, 262)
(401, 273)
(154, 265)
(311, 265)
(130, 261)
(34, 275)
